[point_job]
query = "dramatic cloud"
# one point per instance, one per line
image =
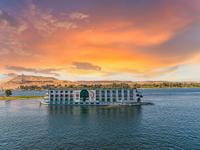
(45, 22)
(10, 32)
(11, 74)
(6, 19)
(140, 39)
(161, 71)
(49, 71)
(147, 74)
(184, 44)
(86, 66)
(78, 16)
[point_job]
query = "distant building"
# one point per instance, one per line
(121, 96)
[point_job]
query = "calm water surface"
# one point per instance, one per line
(172, 123)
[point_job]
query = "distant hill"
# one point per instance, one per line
(40, 82)
(24, 80)
(20, 81)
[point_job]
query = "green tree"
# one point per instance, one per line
(8, 93)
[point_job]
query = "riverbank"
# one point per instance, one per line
(20, 97)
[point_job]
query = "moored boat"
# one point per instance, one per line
(100, 96)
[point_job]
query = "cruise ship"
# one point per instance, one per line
(102, 96)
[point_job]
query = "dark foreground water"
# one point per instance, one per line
(172, 123)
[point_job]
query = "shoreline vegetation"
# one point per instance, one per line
(156, 85)
(20, 97)
(26, 82)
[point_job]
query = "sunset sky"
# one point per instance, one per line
(101, 39)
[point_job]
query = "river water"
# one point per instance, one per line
(173, 122)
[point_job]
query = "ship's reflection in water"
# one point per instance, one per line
(95, 114)
(100, 125)
(87, 111)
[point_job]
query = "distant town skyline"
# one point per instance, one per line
(143, 40)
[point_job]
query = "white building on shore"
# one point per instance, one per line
(101, 96)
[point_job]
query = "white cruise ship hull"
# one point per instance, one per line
(96, 97)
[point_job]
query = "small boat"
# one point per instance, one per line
(45, 100)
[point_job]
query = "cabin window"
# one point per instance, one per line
(97, 91)
(131, 91)
(119, 95)
(102, 92)
(125, 97)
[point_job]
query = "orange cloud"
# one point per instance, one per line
(134, 45)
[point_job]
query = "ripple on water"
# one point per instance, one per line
(172, 123)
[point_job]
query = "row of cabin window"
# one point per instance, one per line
(61, 100)
(91, 103)
(119, 98)
(61, 91)
(114, 96)
(97, 96)
(108, 91)
(61, 95)
(114, 91)
(97, 91)
(97, 99)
